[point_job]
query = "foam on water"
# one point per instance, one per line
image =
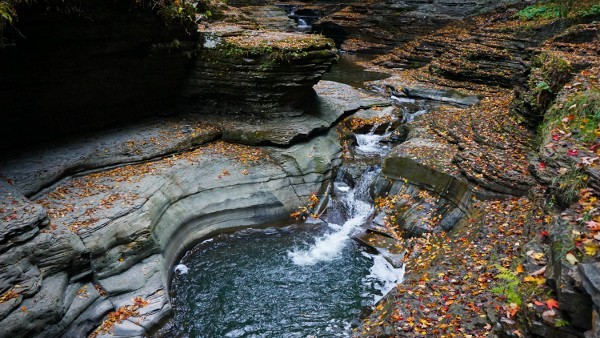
(181, 269)
(370, 143)
(327, 247)
(402, 99)
(386, 277)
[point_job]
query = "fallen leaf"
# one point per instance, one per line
(552, 303)
(520, 268)
(571, 259)
(548, 316)
(538, 272)
(588, 160)
(593, 225)
(537, 280)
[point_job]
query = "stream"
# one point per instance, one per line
(306, 279)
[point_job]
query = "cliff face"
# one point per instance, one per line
(104, 64)
(528, 240)
(263, 74)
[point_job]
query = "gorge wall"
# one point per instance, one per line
(99, 64)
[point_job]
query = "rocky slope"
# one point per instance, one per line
(517, 264)
(376, 27)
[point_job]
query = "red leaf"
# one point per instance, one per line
(572, 152)
(552, 303)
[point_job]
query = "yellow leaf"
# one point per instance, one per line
(520, 268)
(537, 280)
(591, 249)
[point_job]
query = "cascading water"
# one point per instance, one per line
(302, 23)
(358, 211)
(358, 207)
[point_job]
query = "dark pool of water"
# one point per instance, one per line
(349, 72)
(245, 285)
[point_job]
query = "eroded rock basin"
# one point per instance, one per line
(246, 284)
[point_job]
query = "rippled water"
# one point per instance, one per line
(245, 285)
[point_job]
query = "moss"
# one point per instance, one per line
(269, 49)
(568, 185)
(554, 9)
(579, 116)
(549, 73)
(539, 11)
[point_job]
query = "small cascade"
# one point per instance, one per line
(410, 117)
(302, 23)
(358, 209)
(383, 275)
(371, 143)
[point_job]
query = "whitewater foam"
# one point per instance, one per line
(385, 277)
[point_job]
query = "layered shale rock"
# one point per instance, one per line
(375, 26)
(264, 73)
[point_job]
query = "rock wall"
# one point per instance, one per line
(107, 62)
(62, 273)
(267, 74)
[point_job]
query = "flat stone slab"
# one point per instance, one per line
(33, 169)
(442, 95)
(332, 102)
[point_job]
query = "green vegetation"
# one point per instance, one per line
(568, 185)
(8, 14)
(540, 11)
(554, 9)
(509, 284)
(592, 11)
(176, 11)
(580, 115)
(549, 73)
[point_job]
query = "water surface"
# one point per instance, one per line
(349, 72)
(246, 285)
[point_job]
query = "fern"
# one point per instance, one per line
(508, 286)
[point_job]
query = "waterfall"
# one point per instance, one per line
(302, 23)
(358, 209)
